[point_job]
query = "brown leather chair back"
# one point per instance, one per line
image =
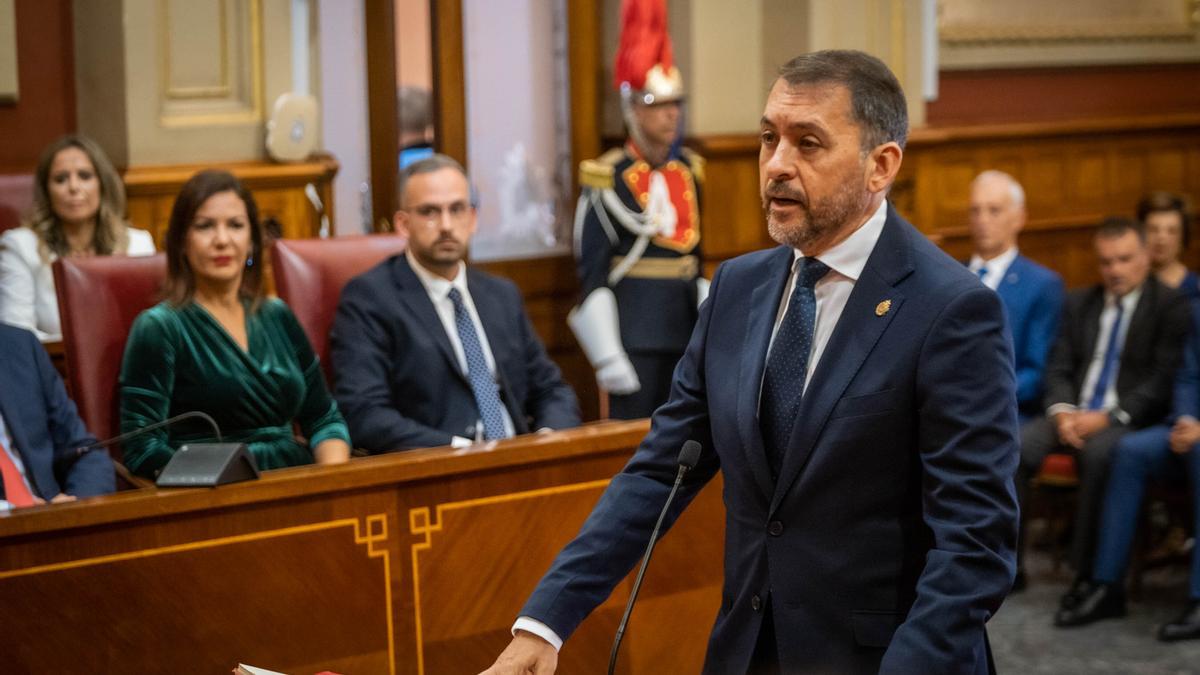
(310, 273)
(98, 299)
(16, 195)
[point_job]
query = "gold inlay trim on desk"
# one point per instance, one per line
(372, 531)
(419, 522)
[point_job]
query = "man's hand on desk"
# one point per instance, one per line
(527, 653)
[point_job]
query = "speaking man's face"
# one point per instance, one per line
(812, 170)
(438, 219)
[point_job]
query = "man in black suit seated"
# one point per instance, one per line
(428, 351)
(40, 431)
(1110, 372)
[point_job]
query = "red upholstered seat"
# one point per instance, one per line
(1059, 469)
(16, 195)
(310, 273)
(98, 299)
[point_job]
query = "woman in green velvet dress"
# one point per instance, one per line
(216, 345)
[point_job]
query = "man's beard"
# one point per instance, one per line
(817, 220)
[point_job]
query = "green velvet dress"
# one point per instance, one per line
(180, 359)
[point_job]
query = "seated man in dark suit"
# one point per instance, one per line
(1110, 372)
(1032, 294)
(40, 431)
(427, 351)
(1157, 453)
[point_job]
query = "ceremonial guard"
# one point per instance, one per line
(637, 228)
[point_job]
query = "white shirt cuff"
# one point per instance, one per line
(1059, 408)
(460, 442)
(539, 629)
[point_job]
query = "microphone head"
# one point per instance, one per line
(690, 454)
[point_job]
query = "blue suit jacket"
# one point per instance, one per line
(889, 538)
(1033, 298)
(43, 423)
(397, 380)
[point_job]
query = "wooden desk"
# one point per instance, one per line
(409, 563)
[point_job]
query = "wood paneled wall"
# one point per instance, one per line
(46, 76)
(278, 190)
(1074, 174)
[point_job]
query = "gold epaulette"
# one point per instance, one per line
(598, 173)
(696, 162)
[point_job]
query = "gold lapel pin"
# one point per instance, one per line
(883, 307)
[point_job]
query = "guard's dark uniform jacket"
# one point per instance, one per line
(648, 258)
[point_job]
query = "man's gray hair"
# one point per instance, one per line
(1014, 188)
(876, 98)
(435, 162)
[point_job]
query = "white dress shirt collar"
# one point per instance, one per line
(849, 257)
(996, 267)
(437, 285)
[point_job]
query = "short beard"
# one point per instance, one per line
(818, 220)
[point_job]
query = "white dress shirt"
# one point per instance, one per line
(438, 289)
(846, 262)
(1128, 304)
(27, 297)
(6, 441)
(996, 267)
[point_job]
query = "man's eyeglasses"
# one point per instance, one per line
(429, 216)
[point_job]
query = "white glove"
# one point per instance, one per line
(618, 376)
(598, 331)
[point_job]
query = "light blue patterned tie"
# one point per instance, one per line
(787, 364)
(487, 396)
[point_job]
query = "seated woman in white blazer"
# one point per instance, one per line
(78, 210)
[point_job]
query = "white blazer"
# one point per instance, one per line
(27, 297)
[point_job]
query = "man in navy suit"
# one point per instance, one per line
(40, 431)
(1032, 294)
(427, 351)
(855, 388)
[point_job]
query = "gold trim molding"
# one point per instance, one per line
(420, 523)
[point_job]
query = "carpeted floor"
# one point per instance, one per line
(1024, 639)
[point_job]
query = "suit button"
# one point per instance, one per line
(756, 603)
(775, 528)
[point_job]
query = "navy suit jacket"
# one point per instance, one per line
(889, 538)
(397, 380)
(44, 425)
(1033, 298)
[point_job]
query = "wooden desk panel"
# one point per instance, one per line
(409, 563)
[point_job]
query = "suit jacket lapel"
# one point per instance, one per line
(1091, 333)
(415, 297)
(857, 332)
(11, 410)
(764, 305)
(1008, 282)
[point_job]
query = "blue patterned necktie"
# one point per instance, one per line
(982, 271)
(487, 396)
(1112, 354)
(787, 364)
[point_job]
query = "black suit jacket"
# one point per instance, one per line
(44, 425)
(397, 380)
(1149, 357)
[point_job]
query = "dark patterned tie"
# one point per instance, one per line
(487, 397)
(787, 364)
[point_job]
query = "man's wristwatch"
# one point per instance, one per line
(1118, 416)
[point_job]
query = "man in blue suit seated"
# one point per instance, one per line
(855, 388)
(428, 351)
(1032, 294)
(41, 435)
(1158, 453)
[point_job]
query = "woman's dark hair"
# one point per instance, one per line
(180, 285)
(1161, 201)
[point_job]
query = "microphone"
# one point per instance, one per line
(79, 452)
(688, 456)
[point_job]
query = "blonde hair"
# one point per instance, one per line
(111, 234)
